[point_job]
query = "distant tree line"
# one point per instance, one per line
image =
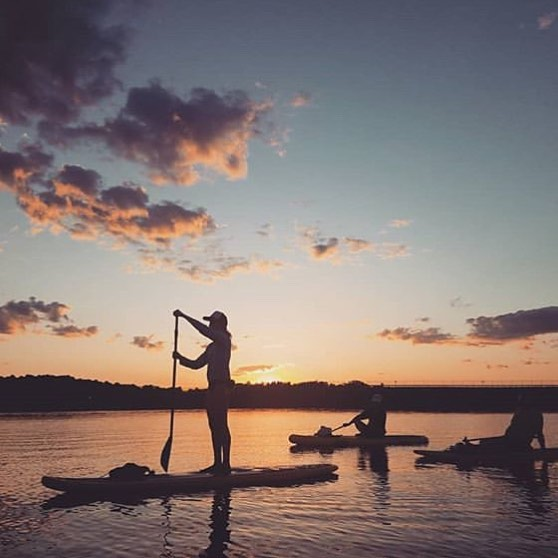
(64, 393)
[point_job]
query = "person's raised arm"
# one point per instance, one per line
(213, 334)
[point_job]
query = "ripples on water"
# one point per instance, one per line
(383, 503)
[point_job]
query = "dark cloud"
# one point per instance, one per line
(326, 248)
(417, 336)
(74, 331)
(523, 324)
(17, 316)
(57, 56)
(516, 325)
(175, 137)
(146, 342)
(18, 169)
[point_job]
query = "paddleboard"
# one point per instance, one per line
(335, 441)
(185, 482)
(476, 455)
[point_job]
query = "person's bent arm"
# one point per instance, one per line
(200, 362)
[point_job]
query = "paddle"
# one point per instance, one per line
(480, 439)
(165, 454)
(344, 425)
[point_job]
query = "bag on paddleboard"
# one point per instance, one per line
(324, 431)
(130, 471)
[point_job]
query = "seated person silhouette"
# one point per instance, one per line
(371, 421)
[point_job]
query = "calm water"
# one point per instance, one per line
(382, 504)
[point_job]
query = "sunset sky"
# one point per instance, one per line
(368, 189)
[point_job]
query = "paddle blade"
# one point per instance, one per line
(165, 454)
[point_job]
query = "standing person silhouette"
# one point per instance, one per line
(216, 357)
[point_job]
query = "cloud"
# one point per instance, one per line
(427, 336)
(146, 342)
(17, 316)
(325, 249)
(57, 57)
(516, 325)
(332, 248)
(546, 21)
(358, 244)
(458, 302)
(497, 330)
(301, 99)
(392, 251)
(253, 369)
(175, 137)
(265, 230)
(19, 169)
(224, 268)
(74, 201)
(207, 268)
(74, 331)
(399, 223)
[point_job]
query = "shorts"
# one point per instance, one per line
(218, 398)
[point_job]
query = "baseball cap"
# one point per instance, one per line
(217, 316)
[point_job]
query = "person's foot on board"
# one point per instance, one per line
(224, 470)
(212, 469)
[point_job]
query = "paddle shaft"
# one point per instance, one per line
(339, 427)
(165, 454)
(481, 439)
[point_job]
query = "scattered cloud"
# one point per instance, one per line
(459, 302)
(147, 342)
(301, 99)
(427, 336)
(327, 248)
(358, 244)
(400, 223)
(74, 201)
(265, 230)
(16, 317)
(546, 21)
(392, 251)
(253, 369)
(497, 366)
(74, 331)
(521, 325)
(332, 248)
(208, 269)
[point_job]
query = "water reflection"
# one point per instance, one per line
(220, 534)
(67, 500)
(530, 481)
(375, 460)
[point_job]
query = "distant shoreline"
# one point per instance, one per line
(47, 393)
